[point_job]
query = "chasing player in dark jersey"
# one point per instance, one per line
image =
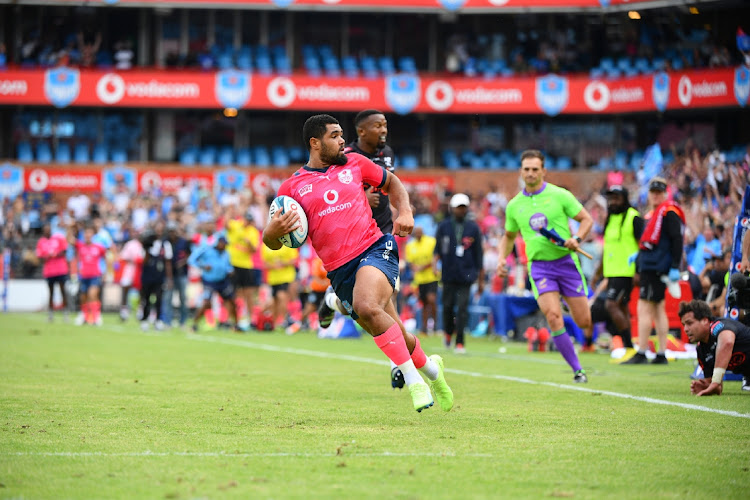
(723, 344)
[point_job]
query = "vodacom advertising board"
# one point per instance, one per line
(399, 93)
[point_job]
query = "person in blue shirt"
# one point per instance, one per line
(459, 249)
(216, 271)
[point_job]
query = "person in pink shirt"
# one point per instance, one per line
(361, 261)
(51, 250)
(89, 278)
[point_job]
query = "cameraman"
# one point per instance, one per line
(713, 279)
(723, 344)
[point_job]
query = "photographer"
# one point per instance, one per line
(713, 279)
(723, 344)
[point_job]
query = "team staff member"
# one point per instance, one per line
(723, 344)
(362, 262)
(554, 271)
(622, 229)
(243, 240)
(459, 249)
(216, 271)
(658, 258)
(419, 254)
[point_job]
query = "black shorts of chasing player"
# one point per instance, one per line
(279, 288)
(57, 279)
(246, 278)
(652, 287)
(427, 288)
(316, 298)
(619, 288)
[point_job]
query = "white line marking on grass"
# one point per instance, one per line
(358, 359)
(222, 454)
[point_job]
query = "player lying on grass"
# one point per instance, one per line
(723, 344)
(361, 261)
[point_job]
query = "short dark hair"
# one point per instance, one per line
(315, 127)
(364, 115)
(699, 308)
(533, 153)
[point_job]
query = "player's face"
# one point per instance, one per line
(696, 330)
(87, 235)
(532, 173)
(332, 146)
(374, 130)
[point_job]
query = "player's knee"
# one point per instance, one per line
(367, 310)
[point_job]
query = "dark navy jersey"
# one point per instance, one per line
(740, 359)
(384, 158)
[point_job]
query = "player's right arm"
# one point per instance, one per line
(279, 225)
(504, 248)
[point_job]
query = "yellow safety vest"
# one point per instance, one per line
(619, 244)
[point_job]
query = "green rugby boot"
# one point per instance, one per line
(439, 386)
(421, 396)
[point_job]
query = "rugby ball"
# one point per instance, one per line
(296, 238)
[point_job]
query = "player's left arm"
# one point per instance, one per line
(403, 224)
(745, 262)
(586, 222)
(723, 355)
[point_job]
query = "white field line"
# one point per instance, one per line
(358, 359)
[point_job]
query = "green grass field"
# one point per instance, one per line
(113, 412)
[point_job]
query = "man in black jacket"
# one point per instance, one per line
(459, 249)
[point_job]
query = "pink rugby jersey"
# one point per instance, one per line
(339, 218)
(88, 259)
(53, 250)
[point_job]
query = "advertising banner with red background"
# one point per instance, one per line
(168, 179)
(397, 5)
(400, 93)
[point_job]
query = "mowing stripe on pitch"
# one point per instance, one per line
(359, 359)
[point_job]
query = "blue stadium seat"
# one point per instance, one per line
(279, 157)
(331, 67)
(119, 155)
(207, 156)
(406, 64)
(244, 62)
(409, 162)
(188, 157)
(81, 153)
(564, 163)
(642, 65)
(225, 157)
(261, 156)
(283, 65)
(263, 64)
(450, 159)
(100, 154)
(349, 65)
(386, 65)
(244, 157)
(43, 153)
(25, 153)
(369, 67)
(607, 63)
(297, 154)
(224, 61)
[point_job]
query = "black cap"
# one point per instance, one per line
(657, 184)
(617, 189)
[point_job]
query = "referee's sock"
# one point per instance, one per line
(564, 344)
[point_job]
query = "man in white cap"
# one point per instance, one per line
(459, 249)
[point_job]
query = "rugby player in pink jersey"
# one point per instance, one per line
(89, 278)
(361, 261)
(51, 250)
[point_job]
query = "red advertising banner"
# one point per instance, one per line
(171, 180)
(40, 179)
(400, 93)
(392, 5)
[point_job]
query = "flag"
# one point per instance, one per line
(653, 161)
(743, 41)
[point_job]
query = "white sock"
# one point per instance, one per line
(411, 375)
(393, 365)
(334, 303)
(430, 369)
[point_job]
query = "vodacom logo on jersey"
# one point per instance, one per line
(331, 197)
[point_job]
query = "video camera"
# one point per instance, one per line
(739, 297)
